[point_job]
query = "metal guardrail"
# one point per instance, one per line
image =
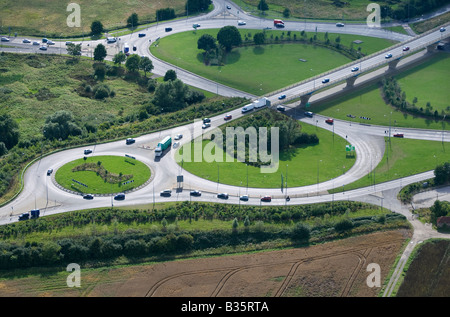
(311, 79)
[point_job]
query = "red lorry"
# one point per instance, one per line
(278, 23)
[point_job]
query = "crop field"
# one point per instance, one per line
(103, 174)
(429, 272)
(43, 17)
(333, 269)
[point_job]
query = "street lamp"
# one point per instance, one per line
(318, 166)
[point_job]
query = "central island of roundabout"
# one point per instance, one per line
(103, 175)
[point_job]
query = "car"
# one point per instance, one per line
(309, 114)
(195, 25)
(88, 151)
(134, 47)
(281, 108)
(227, 117)
(228, 7)
(398, 135)
(5, 39)
(166, 193)
(111, 40)
(442, 29)
(50, 42)
(266, 198)
(120, 196)
(355, 69)
(340, 24)
(44, 40)
(36, 43)
(35, 213)
(141, 34)
(43, 48)
(26, 41)
(206, 125)
(24, 216)
(241, 22)
(168, 29)
(178, 136)
(388, 55)
(329, 121)
(282, 97)
(279, 25)
(325, 80)
(130, 141)
(206, 120)
(175, 144)
(195, 193)
(88, 196)
(244, 198)
(406, 48)
(222, 195)
(49, 171)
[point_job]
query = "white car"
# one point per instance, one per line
(241, 22)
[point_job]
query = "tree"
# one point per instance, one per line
(170, 95)
(287, 13)
(119, 58)
(146, 65)
(100, 53)
(60, 125)
(193, 6)
(133, 20)
(442, 174)
(229, 36)
(74, 49)
(96, 28)
(263, 6)
(165, 14)
(206, 42)
(170, 75)
(9, 131)
(132, 63)
(259, 38)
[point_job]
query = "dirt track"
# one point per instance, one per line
(332, 269)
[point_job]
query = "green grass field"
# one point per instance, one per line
(243, 67)
(427, 82)
(138, 171)
(302, 165)
(404, 157)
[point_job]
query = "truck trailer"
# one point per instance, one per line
(278, 23)
(163, 145)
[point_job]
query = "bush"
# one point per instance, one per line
(343, 225)
(300, 232)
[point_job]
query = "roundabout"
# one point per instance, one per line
(103, 175)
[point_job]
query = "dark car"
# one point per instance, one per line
(244, 197)
(24, 216)
(389, 55)
(355, 69)
(227, 117)
(281, 108)
(168, 29)
(406, 48)
(222, 196)
(398, 135)
(206, 120)
(282, 97)
(88, 196)
(339, 24)
(130, 141)
(266, 198)
(325, 80)
(119, 197)
(141, 34)
(195, 193)
(49, 171)
(86, 152)
(35, 213)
